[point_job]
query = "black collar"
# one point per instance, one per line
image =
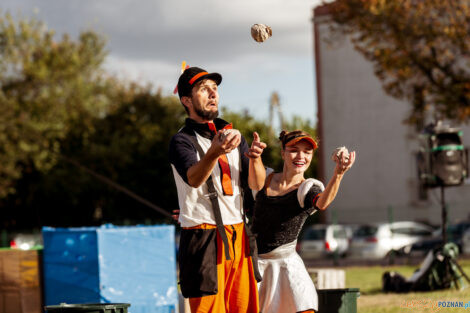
(203, 128)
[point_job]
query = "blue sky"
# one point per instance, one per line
(148, 40)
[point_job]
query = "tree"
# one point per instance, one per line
(59, 109)
(247, 124)
(129, 146)
(420, 50)
(47, 88)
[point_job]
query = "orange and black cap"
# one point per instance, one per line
(191, 76)
(291, 138)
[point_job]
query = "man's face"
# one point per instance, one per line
(204, 100)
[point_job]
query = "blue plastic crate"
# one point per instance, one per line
(112, 264)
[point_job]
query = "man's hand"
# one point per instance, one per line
(176, 215)
(257, 147)
(225, 141)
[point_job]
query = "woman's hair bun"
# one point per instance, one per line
(282, 135)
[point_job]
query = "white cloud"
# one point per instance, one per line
(160, 74)
(148, 39)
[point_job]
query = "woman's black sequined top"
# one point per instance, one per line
(277, 220)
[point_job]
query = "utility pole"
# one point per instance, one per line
(275, 104)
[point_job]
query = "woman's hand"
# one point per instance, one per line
(256, 170)
(344, 161)
(257, 147)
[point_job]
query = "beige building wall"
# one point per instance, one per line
(354, 111)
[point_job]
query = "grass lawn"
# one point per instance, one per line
(373, 300)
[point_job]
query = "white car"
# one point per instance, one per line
(376, 241)
(323, 240)
(26, 241)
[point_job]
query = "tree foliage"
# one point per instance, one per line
(60, 113)
(129, 146)
(247, 124)
(47, 88)
(420, 50)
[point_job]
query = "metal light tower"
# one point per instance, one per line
(442, 162)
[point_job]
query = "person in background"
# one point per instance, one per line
(280, 211)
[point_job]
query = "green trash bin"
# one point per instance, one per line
(88, 308)
(338, 300)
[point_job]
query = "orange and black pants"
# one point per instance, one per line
(237, 290)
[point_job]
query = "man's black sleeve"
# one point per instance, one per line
(183, 154)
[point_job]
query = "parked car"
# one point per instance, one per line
(324, 240)
(455, 234)
(26, 241)
(379, 240)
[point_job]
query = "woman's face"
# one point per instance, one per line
(298, 156)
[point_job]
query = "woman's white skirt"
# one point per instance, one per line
(286, 286)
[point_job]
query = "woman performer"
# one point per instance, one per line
(280, 211)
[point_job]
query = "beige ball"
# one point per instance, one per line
(337, 153)
(226, 132)
(261, 32)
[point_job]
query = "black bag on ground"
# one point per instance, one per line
(394, 282)
(439, 270)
